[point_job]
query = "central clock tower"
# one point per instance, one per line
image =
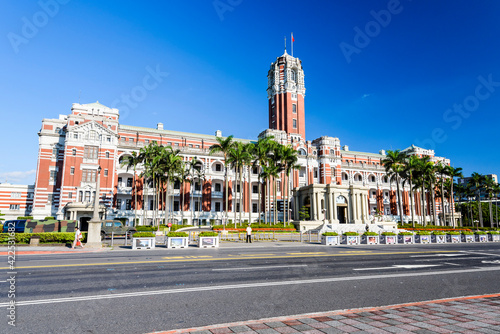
(285, 92)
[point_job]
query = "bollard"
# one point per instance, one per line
(126, 235)
(112, 238)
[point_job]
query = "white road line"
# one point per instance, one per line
(455, 259)
(404, 266)
(266, 267)
(451, 264)
(245, 286)
(433, 255)
(479, 253)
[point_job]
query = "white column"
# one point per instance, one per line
(331, 204)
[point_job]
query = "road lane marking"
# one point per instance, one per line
(307, 253)
(458, 254)
(454, 259)
(182, 259)
(479, 253)
(399, 266)
(452, 264)
(264, 267)
(495, 261)
(244, 286)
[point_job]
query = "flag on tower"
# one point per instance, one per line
(293, 39)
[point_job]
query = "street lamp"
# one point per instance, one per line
(94, 232)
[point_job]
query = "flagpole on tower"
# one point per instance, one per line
(292, 44)
(285, 44)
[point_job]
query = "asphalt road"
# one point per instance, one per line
(152, 290)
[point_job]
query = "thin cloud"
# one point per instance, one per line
(16, 176)
(365, 96)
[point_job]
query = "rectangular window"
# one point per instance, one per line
(107, 155)
(176, 205)
(146, 141)
(105, 172)
(218, 167)
(151, 205)
(254, 207)
(119, 181)
(119, 204)
(124, 139)
(131, 140)
(196, 206)
(217, 207)
(315, 173)
(294, 123)
(128, 204)
(294, 108)
(238, 188)
(197, 186)
(89, 175)
(53, 175)
(129, 182)
(217, 187)
(15, 195)
(237, 207)
(55, 153)
(30, 195)
(90, 152)
(255, 189)
(14, 207)
(72, 170)
(70, 195)
(29, 207)
(73, 151)
(75, 135)
(108, 139)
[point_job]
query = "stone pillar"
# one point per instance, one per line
(94, 232)
(331, 204)
(316, 209)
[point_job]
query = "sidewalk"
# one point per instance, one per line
(32, 250)
(474, 314)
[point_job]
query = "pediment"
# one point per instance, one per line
(90, 126)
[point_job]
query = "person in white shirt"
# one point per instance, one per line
(78, 238)
(249, 234)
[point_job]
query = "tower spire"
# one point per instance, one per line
(285, 44)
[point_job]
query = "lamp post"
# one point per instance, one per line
(94, 232)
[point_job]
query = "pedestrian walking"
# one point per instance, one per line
(249, 234)
(78, 239)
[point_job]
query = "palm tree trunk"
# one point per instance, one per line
(433, 204)
(491, 211)
(452, 203)
(401, 214)
(411, 204)
(442, 200)
(479, 209)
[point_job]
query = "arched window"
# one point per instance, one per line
(302, 151)
(293, 75)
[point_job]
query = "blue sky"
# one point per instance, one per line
(401, 81)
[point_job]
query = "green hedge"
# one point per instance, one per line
(439, 233)
(146, 228)
(467, 232)
(423, 233)
(48, 237)
(27, 217)
(351, 233)
(405, 233)
(454, 233)
(388, 233)
(370, 233)
(208, 234)
(143, 235)
(177, 234)
(481, 232)
(330, 234)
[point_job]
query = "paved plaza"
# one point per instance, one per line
(475, 314)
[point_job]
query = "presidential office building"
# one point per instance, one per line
(334, 184)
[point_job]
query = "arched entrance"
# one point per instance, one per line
(307, 206)
(341, 209)
(84, 223)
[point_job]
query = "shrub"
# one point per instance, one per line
(351, 233)
(146, 228)
(208, 234)
(467, 232)
(439, 233)
(370, 233)
(143, 235)
(423, 233)
(481, 232)
(27, 217)
(330, 234)
(177, 234)
(405, 233)
(388, 233)
(494, 232)
(48, 237)
(454, 233)
(50, 218)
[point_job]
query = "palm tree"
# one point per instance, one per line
(290, 163)
(195, 173)
(183, 177)
(238, 157)
(131, 161)
(411, 166)
(394, 166)
(170, 165)
(489, 185)
(260, 157)
(453, 173)
(477, 181)
(442, 170)
(224, 146)
(496, 191)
